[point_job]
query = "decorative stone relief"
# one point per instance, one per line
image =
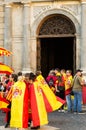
(57, 24)
(74, 9)
(40, 9)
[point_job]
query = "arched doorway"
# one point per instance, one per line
(56, 46)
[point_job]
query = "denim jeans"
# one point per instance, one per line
(77, 101)
(69, 102)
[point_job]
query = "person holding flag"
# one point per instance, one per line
(19, 105)
(37, 97)
(42, 100)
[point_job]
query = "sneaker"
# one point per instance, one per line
(62, 110)
(59, 110)
(81, 113)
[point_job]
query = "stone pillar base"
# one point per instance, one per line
(26, 70)
(84, 72)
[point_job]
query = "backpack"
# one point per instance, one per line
(51, 82)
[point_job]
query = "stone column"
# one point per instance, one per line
(33, 54)
(8, 34)
(78, 57)
(26, 43)
(83, 35)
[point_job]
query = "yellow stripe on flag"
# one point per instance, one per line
(3, 104)
(51, 97)
(41, 105)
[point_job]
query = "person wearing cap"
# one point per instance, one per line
(77, 90)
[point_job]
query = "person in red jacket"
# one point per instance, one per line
(52, 80)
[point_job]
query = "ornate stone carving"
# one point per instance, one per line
(74, 8)
(57, 24)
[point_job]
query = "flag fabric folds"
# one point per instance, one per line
(4, 52)
(52, 102)
(38, 109)
(9, 95)
(19, 105)
(5, 69)
(3, 103)
(42, 100)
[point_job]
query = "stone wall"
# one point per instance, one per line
(1, 28)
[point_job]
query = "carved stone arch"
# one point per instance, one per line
(40, 19)
(57, 24)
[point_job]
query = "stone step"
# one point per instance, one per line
(46, 127)
(84, 107)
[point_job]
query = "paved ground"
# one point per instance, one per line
(68, 121)
(60, 120)
(41, 128)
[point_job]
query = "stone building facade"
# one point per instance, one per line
(43, 34)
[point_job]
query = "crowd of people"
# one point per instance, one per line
(30, 99)
(31, 96)
(68, 87)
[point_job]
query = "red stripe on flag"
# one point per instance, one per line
(4, 100)
(60, 100)
(5, 109)
(25, 109)
(34, 108)
(67, 91)
(47, 104)
(6, 72)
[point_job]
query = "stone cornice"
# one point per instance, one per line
(83, 0)
(8, 5)
(30, 1)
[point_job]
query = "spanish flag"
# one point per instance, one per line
(68, 84)
(4, 52)
(52, 102)
(5, 69)
(3, 103)
(9, 95)
(19, 105)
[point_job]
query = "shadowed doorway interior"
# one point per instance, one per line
(57, 53)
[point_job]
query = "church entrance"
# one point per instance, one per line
(56, 46)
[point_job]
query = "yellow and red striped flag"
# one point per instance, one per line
(19, 105)
(3, 103)
(4, 52)
(52, 102)
(9, 95)
(5, 69)
(39, 113)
